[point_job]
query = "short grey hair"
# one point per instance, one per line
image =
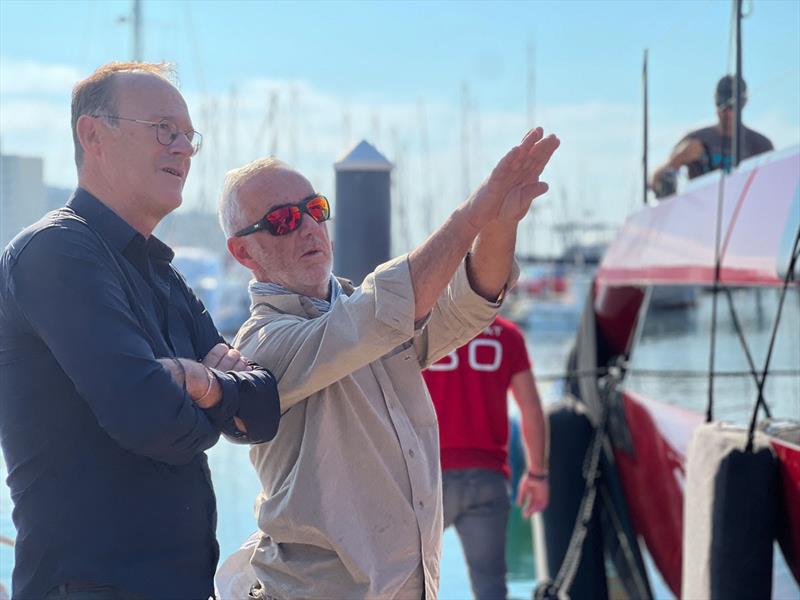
(230, 212)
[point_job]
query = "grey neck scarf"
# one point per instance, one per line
(275, 289)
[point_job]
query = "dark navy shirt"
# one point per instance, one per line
(105, 454)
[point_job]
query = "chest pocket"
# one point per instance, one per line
(402, 367)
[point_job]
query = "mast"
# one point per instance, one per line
(644, 130)
(531, 87)
(465, 140)
(425, 169)
(737, 108)
(529, 239)
(136, 30)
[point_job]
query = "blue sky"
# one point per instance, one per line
(334, 73)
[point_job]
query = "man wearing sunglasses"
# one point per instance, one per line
(711, 148)
(114, 378)
(352, 496)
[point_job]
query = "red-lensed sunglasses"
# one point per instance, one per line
(285, 218)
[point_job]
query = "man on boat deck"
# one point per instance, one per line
(352, 500)
(711, 148)
(113, 375)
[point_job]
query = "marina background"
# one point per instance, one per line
(441, 88)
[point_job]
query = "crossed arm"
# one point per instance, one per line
(72, 300)
(202, 387)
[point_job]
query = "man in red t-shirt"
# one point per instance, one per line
(469, 388)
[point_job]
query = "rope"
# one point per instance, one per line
(557, 588)
(642, 589)
(760, 400)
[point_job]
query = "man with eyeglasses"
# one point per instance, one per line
(351, 505)
(115, 379)
(711, 148)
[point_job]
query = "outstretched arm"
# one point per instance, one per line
(490, 214)
(534, 489)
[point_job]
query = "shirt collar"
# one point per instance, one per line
(116, 231)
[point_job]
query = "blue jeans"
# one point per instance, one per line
(477, 502)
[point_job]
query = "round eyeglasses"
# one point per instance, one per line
(166, 131)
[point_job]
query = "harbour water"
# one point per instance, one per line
(236, 484)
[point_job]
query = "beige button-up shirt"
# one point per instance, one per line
(351, 505)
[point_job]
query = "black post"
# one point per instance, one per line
(362, 215)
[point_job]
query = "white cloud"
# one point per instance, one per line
(595, 175)
(30, 77)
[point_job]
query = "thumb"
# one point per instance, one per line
(534, 190)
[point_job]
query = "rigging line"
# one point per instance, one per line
(663, 373)
(195, 46)
(689, 374)
(685, 20)
(88, 33)
(732, 38)
(717, 257)
(715, 291)
(760, 399)
(740, 333)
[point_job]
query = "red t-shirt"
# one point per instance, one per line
(469, 390)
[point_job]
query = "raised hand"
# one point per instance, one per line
(508, 192)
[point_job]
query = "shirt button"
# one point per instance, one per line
(421, 504)
(411, 453)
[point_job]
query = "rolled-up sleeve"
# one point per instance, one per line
(458, 316)
(67, 290)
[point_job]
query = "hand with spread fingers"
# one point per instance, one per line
(514, 183)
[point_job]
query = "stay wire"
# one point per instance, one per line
(760, 400)
(715, 294)
(662, 373)
(745, 347)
